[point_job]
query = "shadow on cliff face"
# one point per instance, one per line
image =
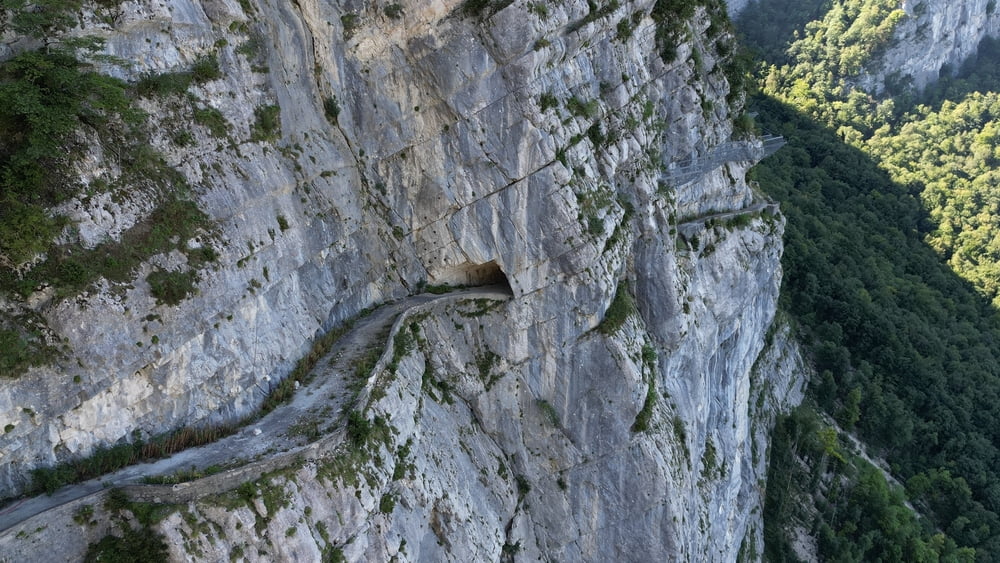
(885, 316)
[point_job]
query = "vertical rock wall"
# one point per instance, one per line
(944, 33)
(419, 142)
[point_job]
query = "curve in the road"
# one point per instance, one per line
(314, 403)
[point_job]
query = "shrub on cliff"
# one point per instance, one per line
(38, 18)
(171, 287)
(622, 305)
(44, 98)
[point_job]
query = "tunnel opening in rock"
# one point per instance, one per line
(469, 274)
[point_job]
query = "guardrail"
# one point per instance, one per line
(694, 167)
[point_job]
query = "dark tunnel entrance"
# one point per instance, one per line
(468, 274)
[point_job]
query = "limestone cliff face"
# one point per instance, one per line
(533, 455)
(422, 142)
(777, 382)
(942, 32)
(935, 36)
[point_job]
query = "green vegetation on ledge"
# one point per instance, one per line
(108, 459)
(44, 98)
(53, 106)
(142, 544)
(38, 18)
(621, 308)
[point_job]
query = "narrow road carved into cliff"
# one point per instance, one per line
(692, 169)
(765, 206)
(316, 411)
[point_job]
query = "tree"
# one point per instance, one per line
(851, 412)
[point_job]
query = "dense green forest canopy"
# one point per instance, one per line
(890, 324)
(891, 266)
(941, 143)
(771, 28)
(859, 515)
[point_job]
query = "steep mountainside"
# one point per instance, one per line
(934, 38)
(891, 268)
(344, 155)
(916, 40)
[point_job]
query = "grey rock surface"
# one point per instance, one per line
(446, 163)
(944, 32)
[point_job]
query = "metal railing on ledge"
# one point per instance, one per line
(696, 166)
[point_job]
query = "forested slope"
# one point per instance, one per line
(899, 341)
(890, 270)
